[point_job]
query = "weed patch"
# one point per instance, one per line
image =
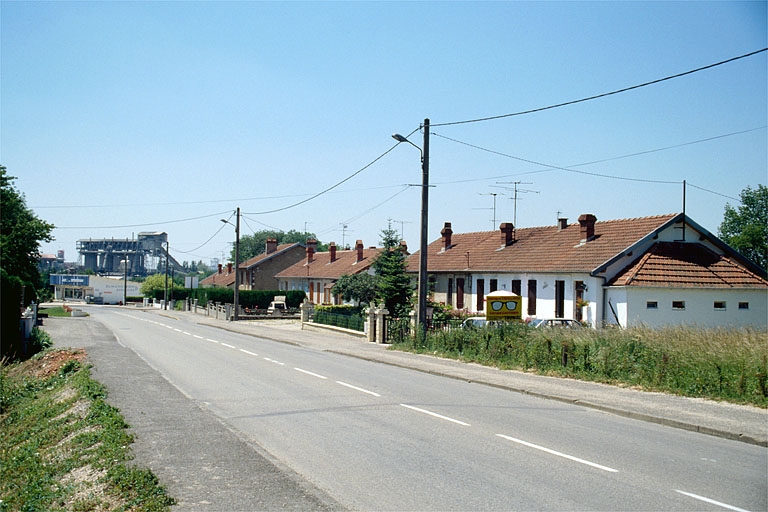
(720, 364)
(63, 447)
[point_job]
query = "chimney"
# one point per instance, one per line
(446, 232)
(271, 245)
(404, 246)
(229, 268)
(332, 249)
(587, 222)
(311, 249)
(507, 233)
(562, 223)
(219, 268)
(359, 249)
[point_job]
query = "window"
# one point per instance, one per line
(743, 305)
(678, 304)
(651, 304)
(494, 285)
(449, 298)
(719, 305)
(459, 293)
(480, 294)
(516, 287)
(531, 296)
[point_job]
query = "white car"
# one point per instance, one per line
(565, 323)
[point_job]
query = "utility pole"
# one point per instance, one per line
(165, 296)
(237, 265)
(422, 311)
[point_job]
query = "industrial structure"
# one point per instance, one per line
(144, 255)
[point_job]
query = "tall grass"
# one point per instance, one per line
(723, 364)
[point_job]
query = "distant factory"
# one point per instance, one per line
(146, 254)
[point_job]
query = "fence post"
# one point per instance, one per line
(371, 313)
(381, 332)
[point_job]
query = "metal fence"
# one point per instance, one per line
(354, 322)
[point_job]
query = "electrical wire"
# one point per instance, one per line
(713, 192)
(160, 223)
(549, 166)
(315, 196)
(223, 225)
(603, 95)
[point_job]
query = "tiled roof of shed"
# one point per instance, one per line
(264, 256)
(686, 265)
(539, 249)
(228, 279)
(322, 267)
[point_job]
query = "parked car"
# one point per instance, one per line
(478, 322)
(475, 322)
(564, 323)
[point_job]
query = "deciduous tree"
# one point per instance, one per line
(746, 228)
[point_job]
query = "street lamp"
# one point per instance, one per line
(237, 262)
(421, 310)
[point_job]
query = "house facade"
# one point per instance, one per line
(654, 271)
(258, 273)
(318, 271)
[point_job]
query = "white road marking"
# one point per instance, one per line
(446, 418)
(212, 341)
(273, 361)
(310, 373)
(710, 501)
(228, 345)
(187, 333)
(357, 388)
(197, 336)
(177, 330)
(247, 352)
(559, 454)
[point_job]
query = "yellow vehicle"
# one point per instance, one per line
(503, 305)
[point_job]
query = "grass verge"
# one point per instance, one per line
(719, 364)
(62, 446)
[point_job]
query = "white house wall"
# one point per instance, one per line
(701, 307)
(545, 292)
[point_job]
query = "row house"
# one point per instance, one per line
(653, 271)
(258, 273)
(318, 271)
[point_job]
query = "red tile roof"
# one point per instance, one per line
(686, 265)
(321, 266)
(539, 249)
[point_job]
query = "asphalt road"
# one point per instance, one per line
(275, 425)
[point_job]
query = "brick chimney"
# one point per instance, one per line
(332, 250)
(220, 267)
(446, 232)
(311, 249)
(507, 233)
(562, 223)
(587, 223)
(271, 245)
(229, 268)
(404, 246)
(359, 249)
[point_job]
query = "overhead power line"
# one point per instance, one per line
(332, 186)
(603, 95)
(643, 180)
(156, 223)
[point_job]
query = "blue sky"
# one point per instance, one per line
(120, 117)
